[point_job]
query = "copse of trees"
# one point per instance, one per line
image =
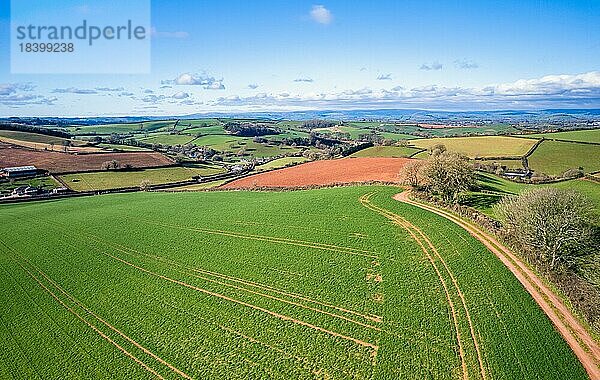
(250, 129)
(445, 174)
(553, 226)
(313, 124)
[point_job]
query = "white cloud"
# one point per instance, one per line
(181, 95)
(305, 80)
(187, 79)
(385, 77)
(465, 65)
(253, 86)
(74, 90)
(321, 15)
(549, 91)
(433, 66)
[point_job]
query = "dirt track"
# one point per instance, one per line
(581, 342)
(326, 172)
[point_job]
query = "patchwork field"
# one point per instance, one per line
(57, 162)
(325, 172)
(481, 146)
(168, 139)
(555, 157)
(243, 285)
(386, 151)
(119, 179)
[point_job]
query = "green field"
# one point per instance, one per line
(386, 151)
(239, 285)
(481, 146)
(494, 188)
(281, 163)
(33, 137)
(119, 179)
(586, 135)
(167, 139)
(125, 128)
(219, 142)
(555, 157)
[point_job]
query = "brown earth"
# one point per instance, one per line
(326, 172)
(56, 162)
(575, 334)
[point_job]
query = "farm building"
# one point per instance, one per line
(19, 171)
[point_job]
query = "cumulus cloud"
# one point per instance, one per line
(181, 95)
(431, 66)
(11, 88)
(321, 15)
(109, 89)
(305, 80)
(253, 86)
(465, 65)
(385, 77)
(74, 90)
(20, 94)
(205, 81)
(549, 91)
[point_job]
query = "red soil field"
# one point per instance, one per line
(56, 162)
(326, 172)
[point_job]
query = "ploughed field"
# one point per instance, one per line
(331, 283)
(57, 162)
(326, 172)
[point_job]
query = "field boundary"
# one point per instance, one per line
(584, 346)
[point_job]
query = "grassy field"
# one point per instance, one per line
(555, 157)
(239, 285)
(167, 139)
(119, 179)
(494, 188)
(33, 137)
(386, 151)
(481, 146)
(219, 142)
(199, 186)
(587, 135)
(107, 129)
(281, 163)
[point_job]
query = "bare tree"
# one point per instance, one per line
(447, 174)
(554, 225)
(411, 173)
(145, 185)
(113, 164)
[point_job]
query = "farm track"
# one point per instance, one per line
(78, 303)
(271, 239)
(575, 334)
(423, 241)
(280, 316)
(187, 271)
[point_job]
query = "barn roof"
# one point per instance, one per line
(19, 169)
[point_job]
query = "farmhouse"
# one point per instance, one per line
(19, 171)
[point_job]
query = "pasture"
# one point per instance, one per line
(555, 157)
(493, 188)
(585, 135)
(386, 151)
(242, 285)
(281, 163)
(119, 179)
(481, 146)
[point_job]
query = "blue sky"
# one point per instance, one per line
(286, 55)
